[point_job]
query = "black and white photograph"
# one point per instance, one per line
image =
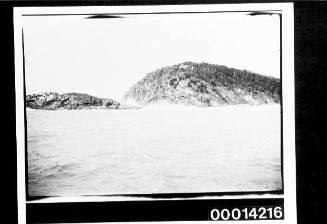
(152, 103)
(146, 101)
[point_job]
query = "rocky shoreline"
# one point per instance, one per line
(188, 83)
(68, 101)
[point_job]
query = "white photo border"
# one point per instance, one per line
(287, 80)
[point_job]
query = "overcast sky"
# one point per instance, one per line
(104, 57)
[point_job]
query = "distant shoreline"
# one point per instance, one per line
(163, 106)
(89, 108)
(188, 84)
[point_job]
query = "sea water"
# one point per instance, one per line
(156, 149)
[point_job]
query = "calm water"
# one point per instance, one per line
(156, 149)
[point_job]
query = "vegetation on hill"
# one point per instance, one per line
(204, 84)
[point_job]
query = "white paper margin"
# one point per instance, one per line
(287, 89)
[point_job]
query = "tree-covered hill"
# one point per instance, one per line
(204, 84)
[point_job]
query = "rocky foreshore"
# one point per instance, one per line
(68, 101)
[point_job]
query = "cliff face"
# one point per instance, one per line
(70, 101)
(204, 84)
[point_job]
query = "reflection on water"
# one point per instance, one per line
(154, 150)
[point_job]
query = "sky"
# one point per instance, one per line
(105, 57)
